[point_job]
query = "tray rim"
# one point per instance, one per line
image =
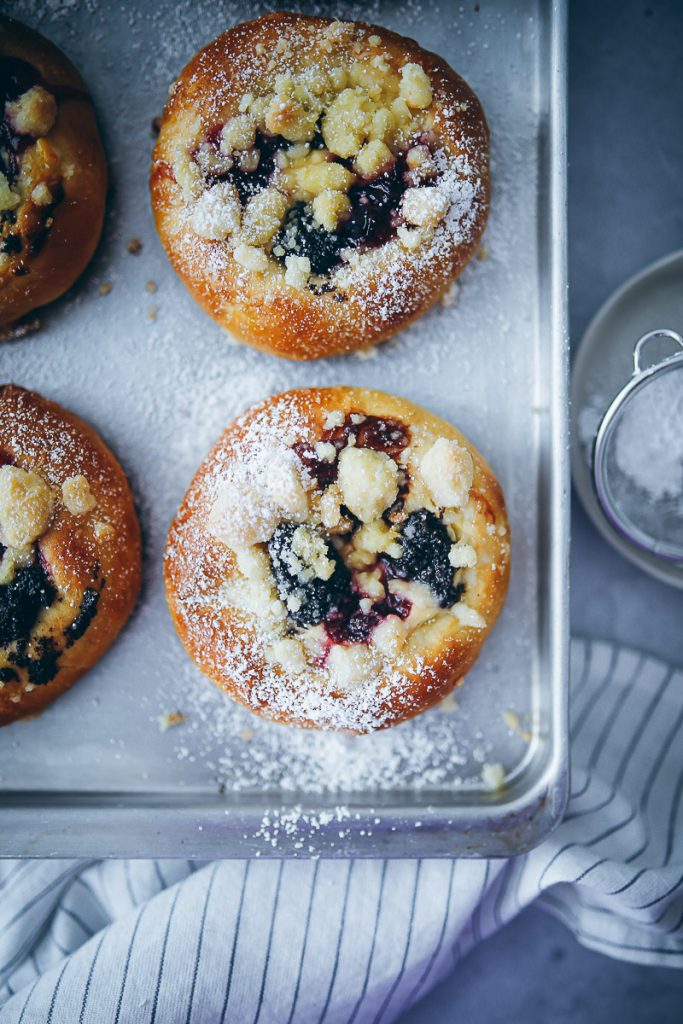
(118, 824)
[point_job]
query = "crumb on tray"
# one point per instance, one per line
(170, 719)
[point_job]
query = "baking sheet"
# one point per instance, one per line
(130, 352)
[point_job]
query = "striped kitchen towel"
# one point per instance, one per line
(279, 942)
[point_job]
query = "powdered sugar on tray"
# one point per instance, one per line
(244, 753)
(160, 382)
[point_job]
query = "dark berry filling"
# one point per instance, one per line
(347, 623)
(43, 664)
(374, 217)
(16, 77)
(375, 202)
(301, 236)
(381, 434)
(317, 596)
(11, 244)
(250, 173)
(86, 613)
(337, 602)
(318, 142)
(375, 208)
(22, 600)
(426, 546)
(425, 543)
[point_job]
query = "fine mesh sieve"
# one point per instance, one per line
(638, 451)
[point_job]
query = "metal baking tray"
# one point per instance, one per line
(130, 352)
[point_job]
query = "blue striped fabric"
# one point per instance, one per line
(357, 942)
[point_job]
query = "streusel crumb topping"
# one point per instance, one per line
(320, 166)
(26, 506)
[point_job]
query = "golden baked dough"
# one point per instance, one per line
(69, 551)
(338, 560)
(319, 184)
(53, 177)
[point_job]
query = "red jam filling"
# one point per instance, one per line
(379, 433)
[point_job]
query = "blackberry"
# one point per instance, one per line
(22, 600)
(426, 546)
(16, 77)
(42, 663)
(86, 613)
(373, 219)
(249, 183)
(301, 236)
(11, 244)
(317, 596)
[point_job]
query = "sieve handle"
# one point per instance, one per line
(662, 332)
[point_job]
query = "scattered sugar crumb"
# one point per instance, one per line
(170, 719)
(366, 353)
(451, 295)
(448, 704)
(493, 776)
(511, 719)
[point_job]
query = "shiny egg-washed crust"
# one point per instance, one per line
(72, 238)
(390, 294)
(224, 642)
(38, 435)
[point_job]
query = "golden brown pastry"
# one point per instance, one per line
(53, 177)
(69, 551)
(319, 184)
(339, 559)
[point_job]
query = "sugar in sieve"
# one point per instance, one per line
(638, 451)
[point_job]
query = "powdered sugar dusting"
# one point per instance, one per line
(244, 756)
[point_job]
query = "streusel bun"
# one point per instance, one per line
(53, 177)
(319, 184)
(69, 551)
(338, 560)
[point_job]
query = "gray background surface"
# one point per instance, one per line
(625, 210)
